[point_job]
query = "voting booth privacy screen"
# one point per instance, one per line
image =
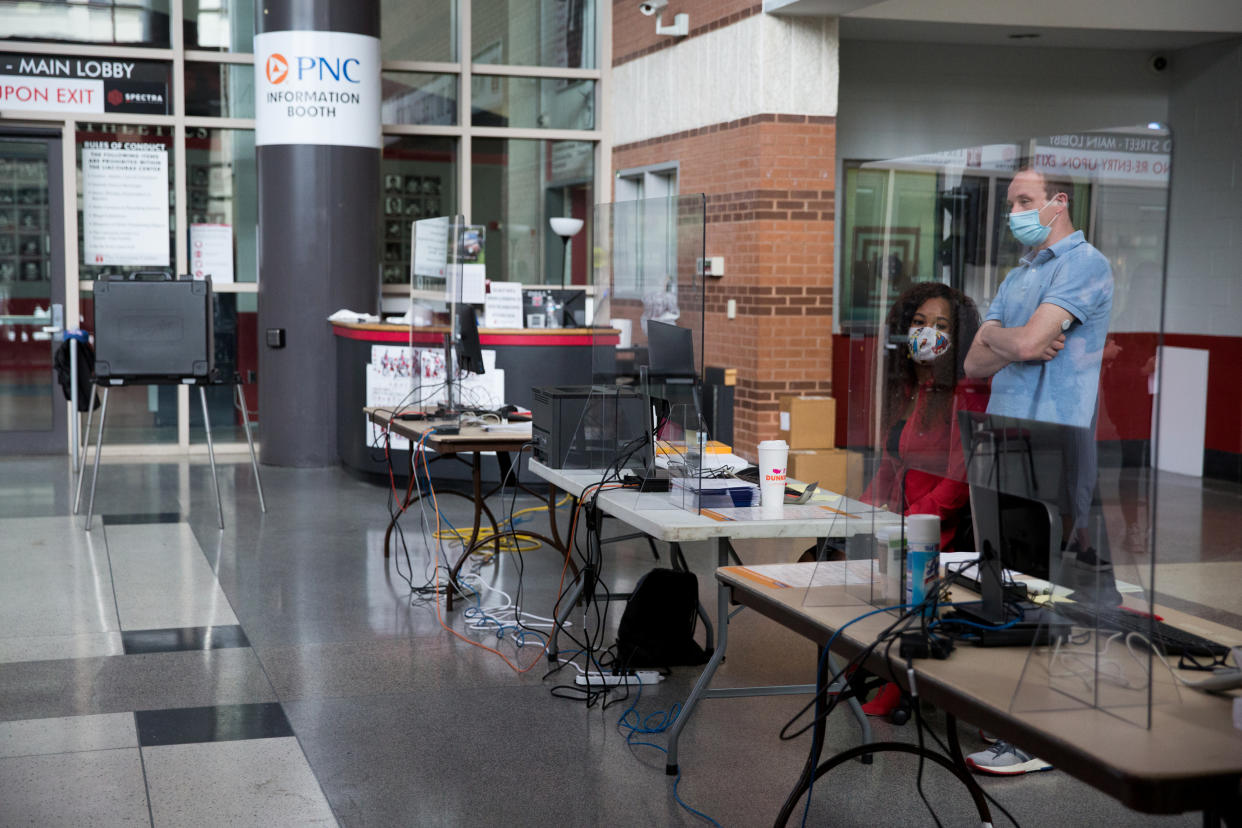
(1037, 452)
(148, 330)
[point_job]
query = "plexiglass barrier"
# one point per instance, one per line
(439, 251)
(640, 418)
(1002, 310)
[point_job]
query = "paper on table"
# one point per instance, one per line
(807, 511)
(825, 573)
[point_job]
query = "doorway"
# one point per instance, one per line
(32, 289)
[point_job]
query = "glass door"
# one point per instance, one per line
(32, 288)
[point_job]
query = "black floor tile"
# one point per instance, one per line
(133, 518)
(176, 639)
(223, 723)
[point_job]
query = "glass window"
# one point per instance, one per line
(219, 90)
(886, 248)
(418, 98)
(128, 22)
(419, 181)
(419, 30)
(517, 186)
(120, 220)
(225, 25)
(26, 290)
(558, 33)
(633, 185)
(222, 198)
(554, 103)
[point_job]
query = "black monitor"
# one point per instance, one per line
(573, 308)
(1022, 476)
(670, 352)
(469, 351)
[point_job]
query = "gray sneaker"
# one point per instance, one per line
(1005, 759)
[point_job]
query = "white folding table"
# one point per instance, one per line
(661, 516)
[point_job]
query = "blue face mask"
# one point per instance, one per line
(1026, 227)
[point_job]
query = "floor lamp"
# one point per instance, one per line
(566, 228)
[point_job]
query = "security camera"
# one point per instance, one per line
(1158, 63)
(650, 7)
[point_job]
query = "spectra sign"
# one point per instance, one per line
(63, 84)
(317, 88)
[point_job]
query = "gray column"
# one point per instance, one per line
(319, 211)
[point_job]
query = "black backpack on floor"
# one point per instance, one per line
(657, 627)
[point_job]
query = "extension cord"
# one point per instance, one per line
(613, 680)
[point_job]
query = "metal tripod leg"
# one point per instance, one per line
(254, 464)
(103, 415)
(86, 441)
(211, 453)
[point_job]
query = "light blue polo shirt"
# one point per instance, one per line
(1073, 275)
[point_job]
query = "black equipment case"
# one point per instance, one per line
(147, 329)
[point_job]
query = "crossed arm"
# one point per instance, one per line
(995, 346)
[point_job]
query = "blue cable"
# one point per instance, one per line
(477, 611)
(964, 622)
(806, 810)
(664, 723)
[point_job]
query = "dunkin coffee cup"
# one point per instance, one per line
(773, 457)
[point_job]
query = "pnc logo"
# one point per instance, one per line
(276, 68)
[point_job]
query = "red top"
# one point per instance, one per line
(932, 462)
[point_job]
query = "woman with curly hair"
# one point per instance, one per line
(930, 328)
(922, 470)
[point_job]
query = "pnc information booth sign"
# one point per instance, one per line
(317, 88)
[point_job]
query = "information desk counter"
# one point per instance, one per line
(529, 357)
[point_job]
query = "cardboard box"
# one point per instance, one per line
(808, 422)
(839, 471)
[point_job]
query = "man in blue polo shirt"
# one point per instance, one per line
(1042, 343)
(1043, 338)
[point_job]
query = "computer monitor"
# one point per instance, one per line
(673, 377)
(573, 308)
(469, 351)
(1022, 475)
(670, 352)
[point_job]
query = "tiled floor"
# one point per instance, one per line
(159, 671)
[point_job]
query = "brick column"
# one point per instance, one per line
(770, 184)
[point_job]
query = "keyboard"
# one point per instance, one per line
(1172, 640)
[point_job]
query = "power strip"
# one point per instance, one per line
(613, 680)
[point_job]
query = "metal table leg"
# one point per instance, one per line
(842, 685)
(567, 606)
(700, 686)
(679, 561)
(476, 483)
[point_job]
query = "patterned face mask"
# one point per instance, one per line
(926, 344)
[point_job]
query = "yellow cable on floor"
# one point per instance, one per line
(508, 543)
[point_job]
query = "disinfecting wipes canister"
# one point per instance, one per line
(922, 558)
